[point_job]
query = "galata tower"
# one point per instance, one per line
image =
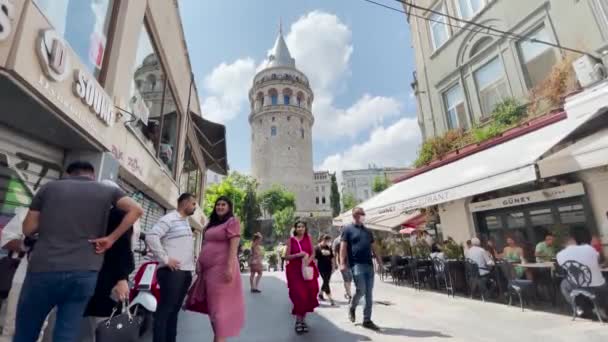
(281, 127)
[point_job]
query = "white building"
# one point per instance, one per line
(359, 183)
(323, 193)
(281, 127)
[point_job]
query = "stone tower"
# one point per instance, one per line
(281, 127)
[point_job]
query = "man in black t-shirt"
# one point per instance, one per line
(358, 248)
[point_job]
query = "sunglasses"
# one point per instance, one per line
(359, 214)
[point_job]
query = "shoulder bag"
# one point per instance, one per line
(308, 273)
(124, 327)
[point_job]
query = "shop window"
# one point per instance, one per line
(493, 222)
(491, 85)
(541, 217)
(537, 59)
(438, 27)
(516, 220)
(455, 108)
(152, 102)
(571, 214)
(84, 24)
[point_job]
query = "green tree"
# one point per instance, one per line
(380, 184)
(283, 220)
(234, 187)
(251, 210)
(277, 198)
(349, 201)
(334, 197)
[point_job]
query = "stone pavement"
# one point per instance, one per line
(404, 315)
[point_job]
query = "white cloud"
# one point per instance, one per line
(395, 145)
(227, 89)
(322, 47)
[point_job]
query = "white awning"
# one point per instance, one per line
(388, 222)
(587, 153)
(508, 164)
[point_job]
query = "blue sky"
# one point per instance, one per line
(358, 57)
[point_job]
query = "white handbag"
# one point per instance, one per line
(308, 273)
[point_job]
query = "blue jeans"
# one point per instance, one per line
(42, 291)
(363, 275)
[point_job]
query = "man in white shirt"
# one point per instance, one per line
(580, 251)
(172, 244)
(480, 256)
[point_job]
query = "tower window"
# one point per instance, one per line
(301, 120)
(273, 131)
(286, 99)
(273, 119)
(323, 200)
(302, 132)
(317, 200)
(289, 118)
(274, 99)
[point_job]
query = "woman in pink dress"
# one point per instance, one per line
(219, 268)
(303, 293)
(256, 263)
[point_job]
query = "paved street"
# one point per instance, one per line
(405, 315)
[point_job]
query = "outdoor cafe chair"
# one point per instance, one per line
(387, 265)
(474, 280)
(520, 287)
(442, 274)
(579, 275)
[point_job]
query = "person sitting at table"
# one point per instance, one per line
(491, 248)
(436, 251)
(580, 251)
(513, 254)
(545, 251)
(480, 256)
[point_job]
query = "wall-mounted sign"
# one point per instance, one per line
(565, 191)
(7, 13)
(54, 56)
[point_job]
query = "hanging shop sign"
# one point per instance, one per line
(7, 13)
(565, 191)
(54, 56)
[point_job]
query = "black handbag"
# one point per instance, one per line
(8, 267)
(124, 327)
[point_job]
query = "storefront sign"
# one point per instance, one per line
(54, 56)
(559, 192)
(7, 13)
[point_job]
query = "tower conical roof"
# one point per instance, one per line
(280, 56)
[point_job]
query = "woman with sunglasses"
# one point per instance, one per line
(302, 292)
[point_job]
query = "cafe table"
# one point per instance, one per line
(544, 266)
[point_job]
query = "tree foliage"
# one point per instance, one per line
(276, 199)
(380, 184)
(334, 197)
(251, 210)
(234, 187)
(349, 201)
(283, 220)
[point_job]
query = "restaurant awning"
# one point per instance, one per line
(507, 164)
(587, 153)
(390, 222)
(212, 139)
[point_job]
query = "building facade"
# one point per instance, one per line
(323, 193)
(281, 127)
(105, 81)
(359, 183)
(463, 70)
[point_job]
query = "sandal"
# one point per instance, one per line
(299, 327)
(304, 327)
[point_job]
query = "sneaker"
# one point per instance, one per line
(351, 314)
(321, 297)
(371, 326)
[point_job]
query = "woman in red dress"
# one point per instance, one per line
(303, 293)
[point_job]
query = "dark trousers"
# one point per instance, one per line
(173, 288)
(326, 276)
(41, 292)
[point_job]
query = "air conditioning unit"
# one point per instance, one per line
(588, 70)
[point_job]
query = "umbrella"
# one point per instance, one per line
(408, 230)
